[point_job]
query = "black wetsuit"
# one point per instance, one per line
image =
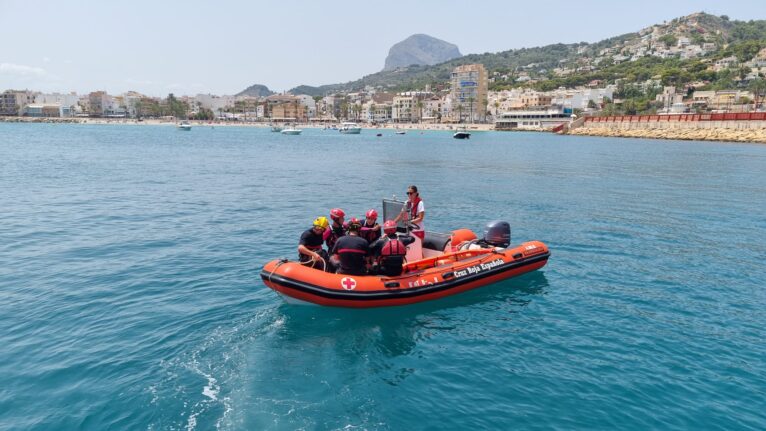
(351, 250)
(333, 234)
(312, 241)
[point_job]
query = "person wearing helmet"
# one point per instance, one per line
(351, 250)
(388, 253)
(337, 229)
(370, 228)
(310, 249)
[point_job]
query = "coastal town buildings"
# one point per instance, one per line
(582, 98)
(13, 102)
(214, 103)
(403, 109)
(97, 100)
(379, 108)
(285, 107)
(469, 91)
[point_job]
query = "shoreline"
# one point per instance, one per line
(755, 136)
(697, 134)
(204, 123)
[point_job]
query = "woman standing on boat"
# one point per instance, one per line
(414, 211)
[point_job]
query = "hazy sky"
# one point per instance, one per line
(158, 47)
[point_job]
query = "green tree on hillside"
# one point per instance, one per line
(669, 40)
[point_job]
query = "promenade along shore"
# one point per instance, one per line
(216, 123)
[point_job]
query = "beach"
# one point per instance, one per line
(205, 123)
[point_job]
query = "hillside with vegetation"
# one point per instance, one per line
(679, 52)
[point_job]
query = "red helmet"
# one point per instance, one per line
(337, 213)
(372, 214)
(389, 226)
(354, 224)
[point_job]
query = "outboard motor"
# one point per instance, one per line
(498, 234)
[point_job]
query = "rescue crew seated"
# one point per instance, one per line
(351, 250)
(337, 229)
(310, 249)
(389, 251)
(370, 229)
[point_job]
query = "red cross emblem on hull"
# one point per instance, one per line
(348, 283)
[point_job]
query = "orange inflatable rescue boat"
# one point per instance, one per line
(439, 265)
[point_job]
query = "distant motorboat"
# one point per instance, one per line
(184, 125)
(462, 134)
(350, 128)
(400, 132)
(291, 131)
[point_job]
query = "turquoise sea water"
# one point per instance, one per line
(131, 296)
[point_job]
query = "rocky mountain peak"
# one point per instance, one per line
(420, 49)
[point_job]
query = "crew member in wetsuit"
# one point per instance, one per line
(310, 245)
(351, 250)
(389, 262)
(370, 229)
(337, 229)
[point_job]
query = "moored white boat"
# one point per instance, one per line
(291, 131)
(184, 125)
(350, 128)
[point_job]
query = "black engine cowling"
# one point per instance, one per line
(498, 233)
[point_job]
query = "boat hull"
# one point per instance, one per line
(425, 280)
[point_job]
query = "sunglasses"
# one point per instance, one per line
(410, 193)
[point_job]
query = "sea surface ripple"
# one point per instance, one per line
(131, 296)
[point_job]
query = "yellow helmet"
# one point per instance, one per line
(322, 222)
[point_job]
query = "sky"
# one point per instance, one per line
(191, 47)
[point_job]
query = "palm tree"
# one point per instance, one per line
(757, 86)
(420, 110)
(470, 110)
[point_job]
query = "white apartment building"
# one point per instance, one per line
(309, 103)
(214, 103)
(580, 97)
(403, 109)
(377, 112)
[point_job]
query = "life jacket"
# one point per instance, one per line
(393, 248)
(370, 234)
(331, 235)
(392, 257)
(414, 207)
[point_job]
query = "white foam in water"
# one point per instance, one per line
(192, 422)
(211, 389)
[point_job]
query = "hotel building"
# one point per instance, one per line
(469, 92)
